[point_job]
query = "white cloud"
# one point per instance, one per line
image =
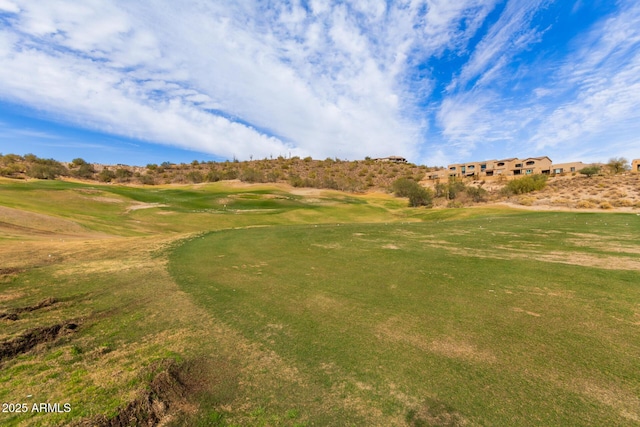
(324, 81)
(605, 78)
(9, 6)
(321, 78)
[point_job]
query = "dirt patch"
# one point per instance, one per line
(13, 314)
(11, 270)
(165, 391)
(33, 337)
(139, 206)
(328, 245)
(10, 295)
(445, 346)
(106, 199)
(530, 313)
(390, 246)
(8, 274)
(24, 222)
(168, 396)
(435, 413)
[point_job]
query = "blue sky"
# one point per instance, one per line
(436, 81)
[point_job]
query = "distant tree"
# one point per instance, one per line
(526, 184)
(123, 174)
(589, 171)
(147, 179)
(212, 176)
(418, 195)
(477, 194)
(78, 162)
(251, 175)
(152, 166)
(84, 170)
(46, 169)
(106, 175)
(195, 177)
(618, 165)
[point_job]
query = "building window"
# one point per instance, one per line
(501, 164)
(573, 169)
(483, 167)
(452, 168)
(518, 165)
(529, 171)
(531, 162)
(559, 170)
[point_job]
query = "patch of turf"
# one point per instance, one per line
(395, 314)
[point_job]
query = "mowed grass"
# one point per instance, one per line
(318, 307)
(100, 251)
(499, 318)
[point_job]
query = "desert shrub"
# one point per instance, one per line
(212, 176)
(46, 169)
(623, 203)
(295, 180)
(526, 201)
(147, 179)
(585, 204)
(106, 175)
(84, 170)
(454, 187)
(11, 170)
(526, 184)
(589, 171)
(229, 174)
(618, 165)
(272, 176)
(605, 205)
(403, 186)
(123, 174)
(194, 177)
(418, 195)
(477, 194)
(455, 204)
(251, 175)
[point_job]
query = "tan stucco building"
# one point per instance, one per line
(568, 167)
(635, 166)
(503, 167)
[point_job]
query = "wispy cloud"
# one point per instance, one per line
(603, 76)
(593, 94)
(320, 77)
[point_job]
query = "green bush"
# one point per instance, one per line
(618, 165)
(46, 169)
(590, 171)
(451, 189)
(123, 174)
(147, 180)
(195, 177)
(84, 170)
(418, 195)
(212, 176)
(477, 194)
(106, 175)
(526, 184)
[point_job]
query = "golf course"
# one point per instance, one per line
(235, 304)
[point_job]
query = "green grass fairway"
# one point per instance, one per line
(495, 319)
(262, 305)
